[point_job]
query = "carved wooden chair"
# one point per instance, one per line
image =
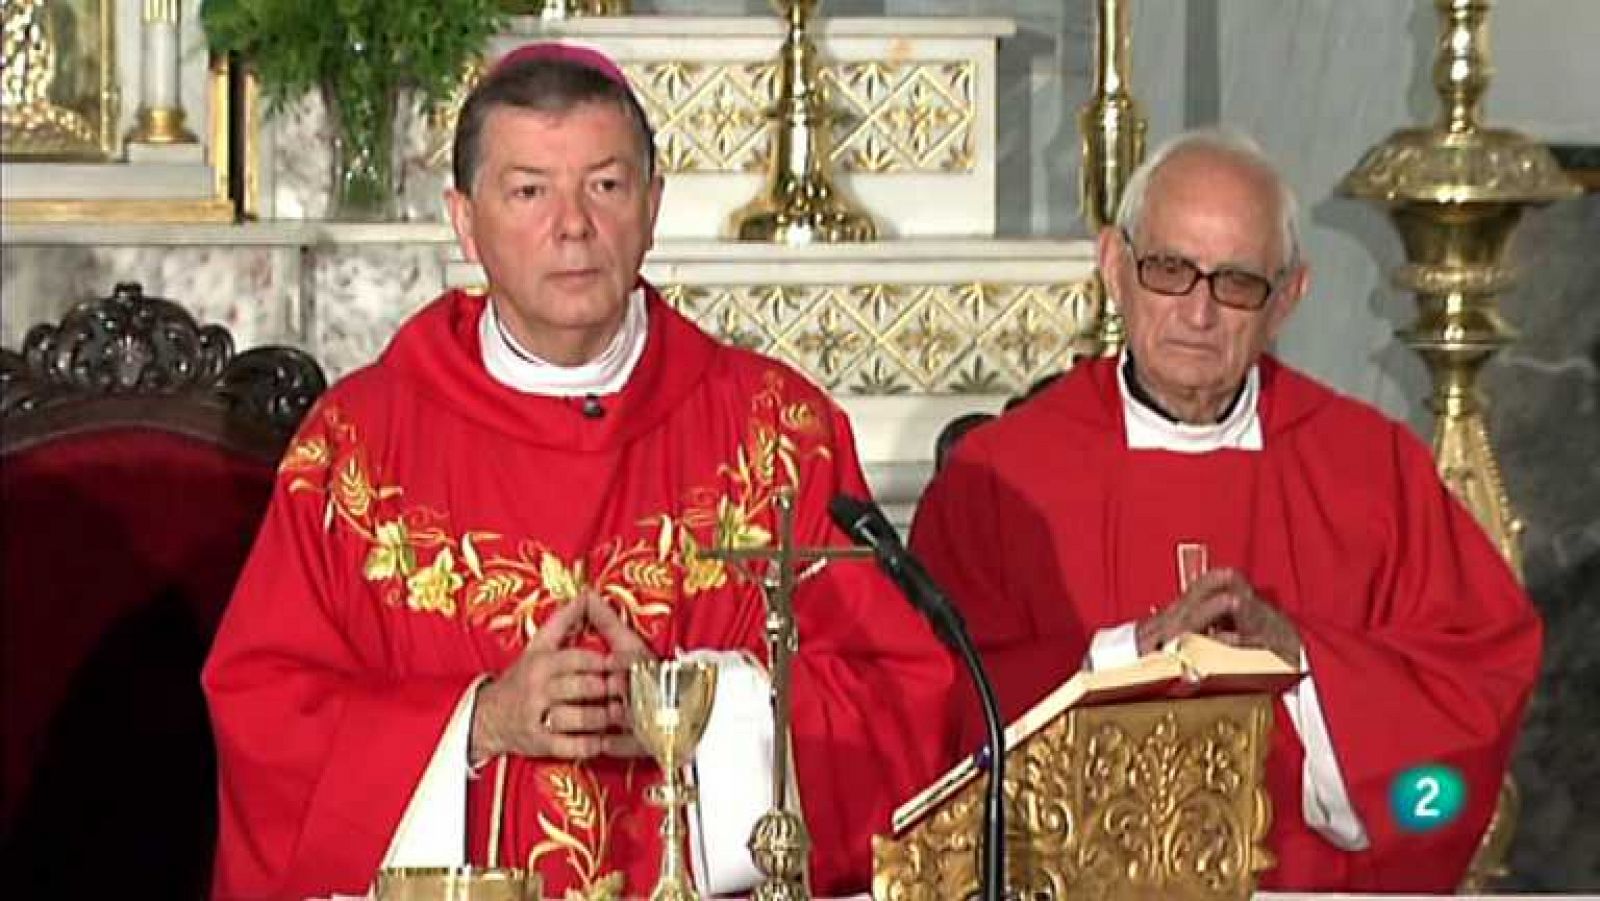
(137, 454)
(1489, 866)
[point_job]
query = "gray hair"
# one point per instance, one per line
(1231, 144)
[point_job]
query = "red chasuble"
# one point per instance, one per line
(427, 520)
(1045, 527)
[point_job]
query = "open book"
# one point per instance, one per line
(1188, 666)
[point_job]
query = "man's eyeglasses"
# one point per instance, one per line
(1176, 276)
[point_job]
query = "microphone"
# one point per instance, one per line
(592, 408)
(866, 525)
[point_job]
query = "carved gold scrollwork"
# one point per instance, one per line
(1147, 800)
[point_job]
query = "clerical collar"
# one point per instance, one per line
(1148, 427)
(512, 365)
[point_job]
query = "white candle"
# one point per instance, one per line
(161, 65)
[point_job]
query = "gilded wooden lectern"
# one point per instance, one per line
(1106, 798)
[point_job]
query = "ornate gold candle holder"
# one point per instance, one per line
(1456, 191)
(800, 204)
(1113, 131)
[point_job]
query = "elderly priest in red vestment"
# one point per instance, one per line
(1196, 484)
(473, 537)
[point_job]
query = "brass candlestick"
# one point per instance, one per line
(779, 843)
(1456, 191)
(670, 702)
(1113, 146)
(800, 204)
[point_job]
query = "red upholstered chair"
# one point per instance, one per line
(136, 459)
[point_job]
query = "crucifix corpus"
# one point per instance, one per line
(779, 843)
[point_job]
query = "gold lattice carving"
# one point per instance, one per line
(895, 117)
(969, 338)
(1136, 800)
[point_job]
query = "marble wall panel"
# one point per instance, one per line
(250, 290)
(361, 296)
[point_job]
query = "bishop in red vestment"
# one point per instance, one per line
(1088, 518)
(441, 506)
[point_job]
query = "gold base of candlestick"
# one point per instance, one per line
(803, 226)
(161, 125)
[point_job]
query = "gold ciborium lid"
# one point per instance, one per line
(458, 884)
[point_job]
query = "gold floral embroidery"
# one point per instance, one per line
(510, 587)
(391, 554)
(434, 588)
(583, 835)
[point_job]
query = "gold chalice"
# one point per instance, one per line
(670, 701)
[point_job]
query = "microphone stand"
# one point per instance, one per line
(994, 817)
(866, 525)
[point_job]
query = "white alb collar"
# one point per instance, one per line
(512, 365)
(1147, 429)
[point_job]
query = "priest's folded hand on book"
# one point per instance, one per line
(1222, 604)
(557, 701)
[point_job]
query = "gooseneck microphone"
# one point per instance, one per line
(866, 525)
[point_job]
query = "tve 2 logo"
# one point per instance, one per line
(1426, 797)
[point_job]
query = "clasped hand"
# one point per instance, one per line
(1222, 604)
(558, 701)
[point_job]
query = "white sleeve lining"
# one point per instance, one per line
(1325, 799)
(736, 753)
(433, 829)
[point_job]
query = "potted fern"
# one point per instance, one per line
(365, 57)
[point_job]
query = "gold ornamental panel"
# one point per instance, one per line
(58, 92)
(1151, 800)
(894, 117)
(863, 338)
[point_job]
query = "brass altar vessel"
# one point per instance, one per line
(465, 883)
(457, 884)
(1113, 130)
(800, 204)
(670, 702)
